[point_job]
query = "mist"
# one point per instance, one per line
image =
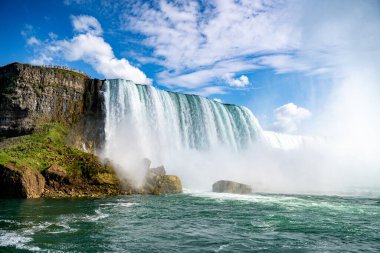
(342, 153)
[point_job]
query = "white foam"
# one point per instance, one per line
(120, 204)
(9, 239)
(98, 216)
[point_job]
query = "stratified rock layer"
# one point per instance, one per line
(231, 187)
(31, 95)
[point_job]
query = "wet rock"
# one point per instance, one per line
(20, 182)
(231, 187)
(157, 182)
(168, 184)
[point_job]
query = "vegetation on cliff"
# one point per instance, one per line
(47, 147)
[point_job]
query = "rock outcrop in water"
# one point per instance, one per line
(231, 187)
(157, 182)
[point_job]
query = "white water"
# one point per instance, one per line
(179, 121)
(199, 139)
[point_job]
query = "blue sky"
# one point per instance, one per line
(279, 58)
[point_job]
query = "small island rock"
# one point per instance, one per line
(231, 187)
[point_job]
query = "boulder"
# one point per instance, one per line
(157, 182)
(231, 187)
(20, 182)
(55, 172)
(168, 184)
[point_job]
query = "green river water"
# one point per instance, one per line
(192, 222)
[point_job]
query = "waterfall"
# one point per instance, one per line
(287, 141)
(176, 120)
(186, 133)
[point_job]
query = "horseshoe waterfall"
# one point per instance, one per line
(179, 130)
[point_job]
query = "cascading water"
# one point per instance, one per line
(178, 120)
(172, 128)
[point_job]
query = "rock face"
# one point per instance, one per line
(30, 95)
(20, 182)
(231, 187)
(100, 181)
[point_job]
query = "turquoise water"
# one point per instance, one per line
(202, 222)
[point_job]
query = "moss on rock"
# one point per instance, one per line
(68, 171)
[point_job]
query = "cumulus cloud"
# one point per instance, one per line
(86, 24)
(288, 117)
(88, 46)
(193, 39)
(241, 81)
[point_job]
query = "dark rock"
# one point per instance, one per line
(20, 182)
(55, 172)
(231, 187)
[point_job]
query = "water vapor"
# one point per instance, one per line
(337, 39)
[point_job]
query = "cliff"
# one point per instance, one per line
(32, 95)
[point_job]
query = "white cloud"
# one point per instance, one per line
(90, 47)
(42, 59)
(218, 100)
(189, 38)
(192, 39)
(86, 24)
(288, 117)
(33, 41)
(29, 35)
(204, 76)
(242, 81)
(210, 90)
(283, 63)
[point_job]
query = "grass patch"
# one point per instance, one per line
(47, 146)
